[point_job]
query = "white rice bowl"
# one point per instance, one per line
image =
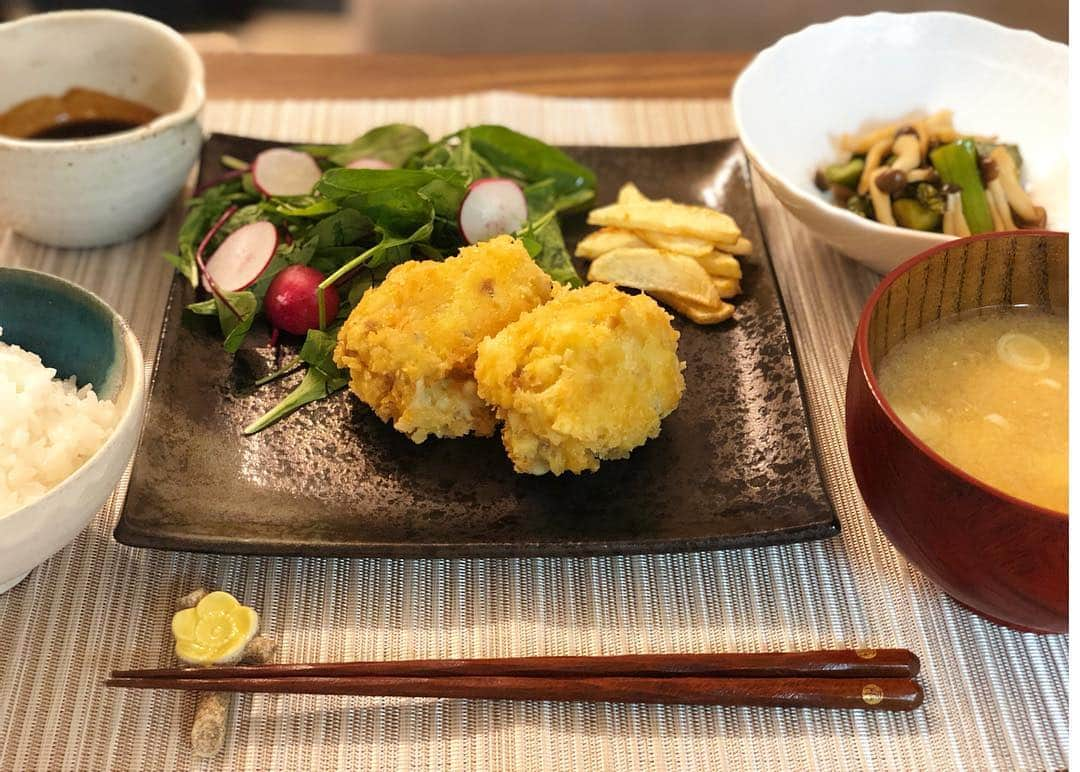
(48, 427)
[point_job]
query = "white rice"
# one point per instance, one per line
(48, 427)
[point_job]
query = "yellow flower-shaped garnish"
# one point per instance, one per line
(214, 632)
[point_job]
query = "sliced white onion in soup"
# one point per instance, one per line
(923, 421)
(997, 420)
(1049, 383)
(1023, 352)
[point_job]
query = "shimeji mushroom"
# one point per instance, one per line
(995, 196)
(906, 149)
(937, 126)
(924, 174)
(1008, 179)
(873, 163)
(954, 223)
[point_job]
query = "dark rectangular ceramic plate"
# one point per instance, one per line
(732, 467)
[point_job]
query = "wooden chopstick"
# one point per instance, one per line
(872, 694)
(878, 679)
(839, 663)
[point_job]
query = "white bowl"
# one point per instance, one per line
(97, 191)
(798, 96)
(77, 333)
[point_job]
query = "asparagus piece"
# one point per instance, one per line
(930, 197)
(957, 164)
(910, 213)
(846, 174)
(860, 205)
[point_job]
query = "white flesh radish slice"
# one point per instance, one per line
(283, 172)
(368, 163)
(491, 207)
(242, 257)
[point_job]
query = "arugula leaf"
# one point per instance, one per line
(455, 152)
(393, 143)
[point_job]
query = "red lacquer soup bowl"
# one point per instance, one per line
(1003, 558)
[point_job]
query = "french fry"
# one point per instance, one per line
(695, 312)
(629, 194)
(727, 288)
(684, 245)
(721, 264)
(677, 219)
(605, 240)
(651, 270)
(740, 247)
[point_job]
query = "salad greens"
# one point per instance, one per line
(358, 223)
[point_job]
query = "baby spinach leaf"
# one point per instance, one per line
(234, 327)
(204, 308)
(305, 207)
(529, 160)
(393, 143)
(547, 247)
(322, 379)
(318, 351)
(315, 386)
(347, 226)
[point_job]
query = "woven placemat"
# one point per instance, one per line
(994, 698)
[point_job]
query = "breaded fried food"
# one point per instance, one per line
(584, 378)
(410, 343)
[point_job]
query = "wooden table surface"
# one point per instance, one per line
(278, 76)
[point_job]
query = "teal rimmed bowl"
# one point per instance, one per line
(77, 333)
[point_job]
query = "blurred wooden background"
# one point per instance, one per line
(524, 26)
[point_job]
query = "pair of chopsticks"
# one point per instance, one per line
(876, 679)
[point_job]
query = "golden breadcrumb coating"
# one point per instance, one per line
(584, 378)
(410, 343)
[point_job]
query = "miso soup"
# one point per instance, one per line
(988, 390)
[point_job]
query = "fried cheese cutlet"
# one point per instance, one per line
(410, 343)
(584, 378)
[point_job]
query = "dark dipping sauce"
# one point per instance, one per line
(81, 129)
(80, 113)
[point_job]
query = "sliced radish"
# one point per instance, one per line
(283, 172)
(491, 207)
(368, 163)
(241, 258)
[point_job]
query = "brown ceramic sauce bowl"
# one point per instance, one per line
(1004, 558)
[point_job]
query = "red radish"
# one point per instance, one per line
(283, 172)
(368, 163)
(292, 301)
(241, 258)
(492, 206)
